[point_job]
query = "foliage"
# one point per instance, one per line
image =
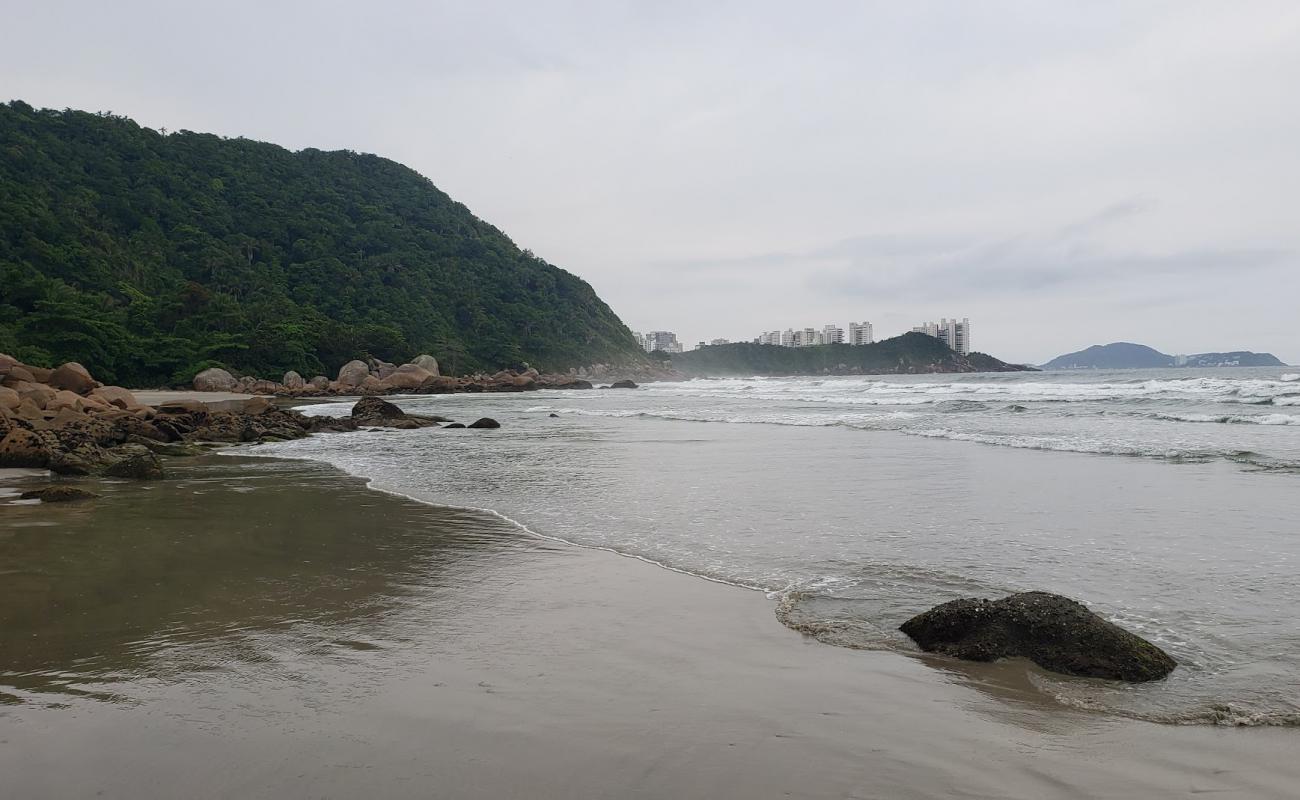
(909, 353)
(147, 256)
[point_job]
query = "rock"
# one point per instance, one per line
(407, 377)
(7, 361)
(17, 373)
(134, 461)
(1056, 633)
(553, 414)
(622, 385)
(58, 494)
(23, 448)
(566, 383)
(293, 381)
(319, 382)
(371, 385)
(427, 363)
(256, 405)
(9, 399)
(369, 409)
(65, 399)
(37, 393)
(439, 384)
(352, 374)
(72, 377)
(485, 422)
(116, 396)
(455, 425)
(163, 448)
(215, 379)
(381, 369)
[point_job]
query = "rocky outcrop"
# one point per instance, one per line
(134, 461)
(623, 384)
(293, 381)
(407, 377)
(57, 494)
(484, 422)
(215, 379)
(373, 411)
(1056, 633)
(24, 448)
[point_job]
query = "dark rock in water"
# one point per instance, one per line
(455, 425)
(622, 385)
(485, 422)
(1054, 632)
(134, 461)
(554, 414)
(57, 494)
(368, 408)
(1016, 408)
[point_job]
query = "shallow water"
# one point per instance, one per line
(857, 502)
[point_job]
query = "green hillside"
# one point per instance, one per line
(910, 353)
(148, 256)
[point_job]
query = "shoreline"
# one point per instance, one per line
(570, 672)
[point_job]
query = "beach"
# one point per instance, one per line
(268, 628)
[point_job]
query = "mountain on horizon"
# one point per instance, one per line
(1128, 355)
(148, 256)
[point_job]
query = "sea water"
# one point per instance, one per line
(1166, 499)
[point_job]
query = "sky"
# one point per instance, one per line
(1062, 173)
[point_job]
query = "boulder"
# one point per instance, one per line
(439, 384)
(9, 399)
(19, 373)
(57, 494)
(381, 369)
(484, 422)
(72, 377)
(455, 425)
(372, 410)
(116, 396)
(352, 374)
(215, 379)
(293, 381)
(371, 385)
(427, 363)
(37, 393)
(625, 384)
(23, 448)
(407, 377)
(65, 399)
(1056, 633)
(7, 361)
(320, 383)
(134, 461)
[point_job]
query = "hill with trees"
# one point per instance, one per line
(148, 256)
(911, 353)
(1127, 355)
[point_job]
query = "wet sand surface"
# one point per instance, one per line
(258, 628)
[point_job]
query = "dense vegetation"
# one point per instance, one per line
(149, 256)
(909, 353)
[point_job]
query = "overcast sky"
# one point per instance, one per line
(1063, 173)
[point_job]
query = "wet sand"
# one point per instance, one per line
(273, 629)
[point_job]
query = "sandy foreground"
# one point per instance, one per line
(540, 671)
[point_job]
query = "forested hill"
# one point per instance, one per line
(148, 256)
(911, 353)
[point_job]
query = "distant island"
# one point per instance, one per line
(150, 256)
(1127, 355)
(909, 354)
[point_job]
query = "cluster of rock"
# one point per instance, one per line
(373, 377)
(1054, 632)
(65, 421)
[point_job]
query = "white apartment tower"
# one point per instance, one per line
(861, 333)
(832, 334)
(662, 340)
(949, 331)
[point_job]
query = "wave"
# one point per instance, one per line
(1229, 419)
(1290, 377)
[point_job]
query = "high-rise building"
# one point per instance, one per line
(789, 339)
(662, 340)
(861, 333)
(949, 331)
(832, 334)
(809, 337)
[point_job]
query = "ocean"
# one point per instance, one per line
(1167, 500)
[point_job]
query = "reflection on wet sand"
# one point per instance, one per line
(180, 577)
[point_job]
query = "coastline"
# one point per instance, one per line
(548, 670)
